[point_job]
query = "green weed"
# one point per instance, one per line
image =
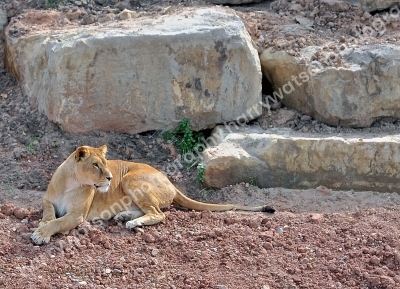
(253, 181)
(7, 188)
(51, 3)
(186, 139)
(200, 172)
(31, 146)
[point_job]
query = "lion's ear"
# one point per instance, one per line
(103, 150)
(81, 153)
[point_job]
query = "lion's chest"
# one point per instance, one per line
(60, 206)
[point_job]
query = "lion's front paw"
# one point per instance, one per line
(39, 238)
(134, 223)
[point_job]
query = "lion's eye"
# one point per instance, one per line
(96, 165)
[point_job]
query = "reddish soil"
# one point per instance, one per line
(210, 250)
(317, 238)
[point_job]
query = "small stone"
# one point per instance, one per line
(304, 21)
(138, 230)
(17, 153)
(268, 246)
(367, 15)
(275, 105)
(148, 238)
(26, 236)
(301, 250)
(108, 271)
(357, 271)
(317, 218)
(265, 221)
(283, 116)
(127, 14)
(254, 224)
(107, 245)
(279, 230)
(305, 117)
(137, 272)
(230, 220)
(380, 271)
(107, 18)
(374, 260)
(295, 7)
(305, 129)
(387, 281)
(397, 257)
(154, 252)
(365, 251)
(88, 19)
(374, 280)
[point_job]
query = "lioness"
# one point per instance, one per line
(86, 186)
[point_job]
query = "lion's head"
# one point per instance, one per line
(91, 167)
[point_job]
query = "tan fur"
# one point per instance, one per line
(86, 186)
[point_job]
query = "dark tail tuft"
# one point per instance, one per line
(268, 209)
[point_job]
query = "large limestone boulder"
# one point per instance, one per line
(141, 74)
(362, 90)
(289, 159)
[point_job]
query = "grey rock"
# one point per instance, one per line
(199, 64)
(304, 21)
(88, 19)
(336, 5)
(356, 95)
(288, 159)
(283, 116)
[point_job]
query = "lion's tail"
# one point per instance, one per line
(186, 202)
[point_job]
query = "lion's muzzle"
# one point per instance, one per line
(103, 186)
